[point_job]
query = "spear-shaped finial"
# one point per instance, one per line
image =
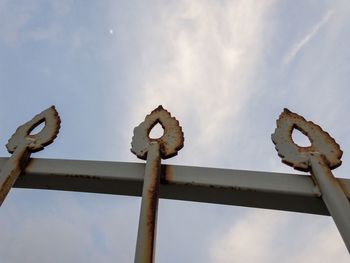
(320, 158)
(23, 143)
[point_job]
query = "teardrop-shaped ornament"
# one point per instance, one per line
(36, 142)
(170, 142)
(297, 156)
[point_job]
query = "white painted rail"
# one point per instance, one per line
(288, 192)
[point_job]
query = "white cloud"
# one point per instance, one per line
(199, 60)
(12, 21)
(271, 236)
(297, 47)
(97, 229)
(249, 239)
(19, 24)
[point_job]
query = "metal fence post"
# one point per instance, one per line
(323, 155)
(153, 150)
(22, 144)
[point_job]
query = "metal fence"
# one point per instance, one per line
(321, 193)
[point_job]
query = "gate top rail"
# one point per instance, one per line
(282, 191)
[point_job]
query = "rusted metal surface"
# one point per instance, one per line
(171, 141)
(321, 193)
(281, 191)
(333, 196)
(146, 236)
(296, 156)
(23, 143)
(153, 150)
(323, 155)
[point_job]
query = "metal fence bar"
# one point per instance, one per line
(333, 196)
(146, 235)
(153, 150)
(321, 193)
(289, 192)
(22, 144)
(319, 158)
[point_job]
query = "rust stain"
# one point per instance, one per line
(167, 174)
(22, 143)
(345, 189)
(150, 227)
(296, 156)
(170, 142)
(94, 177)
(153, 150)
(36, 142)
(7, 185)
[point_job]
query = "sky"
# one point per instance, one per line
(224, 69)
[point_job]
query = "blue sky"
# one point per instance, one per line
(224, 69)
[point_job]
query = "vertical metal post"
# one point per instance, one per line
(12, 169)
(333, 196)
(152, 150)
(22, 144)
(323, 155)
(149, 207)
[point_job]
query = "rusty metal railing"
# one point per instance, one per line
(321, 193)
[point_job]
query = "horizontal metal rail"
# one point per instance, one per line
(289, 192)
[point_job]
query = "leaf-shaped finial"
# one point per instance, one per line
(36, 142)
(296, 156)
(171, 141)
